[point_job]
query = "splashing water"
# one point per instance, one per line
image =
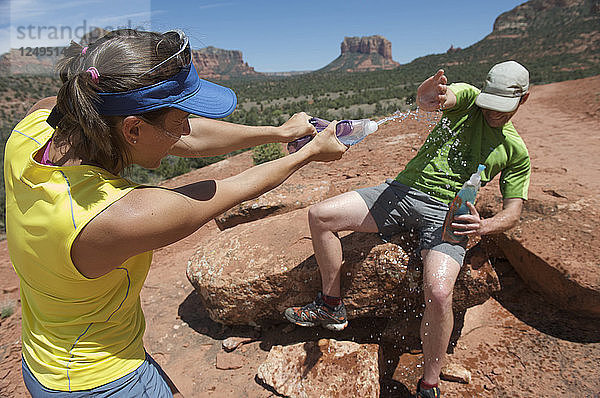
(449, 139)
(431, 118)
(396, 115)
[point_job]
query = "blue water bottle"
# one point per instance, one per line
(458, 207)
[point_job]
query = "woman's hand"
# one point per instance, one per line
(296, 127)
(325, 146)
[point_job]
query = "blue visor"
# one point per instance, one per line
(184, 90)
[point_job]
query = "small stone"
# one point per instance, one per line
(323, 343)
(10, 289)
(488, 387)
(231, 343)
(229, 361)
(456, 372)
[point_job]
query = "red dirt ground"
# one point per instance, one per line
(515, 344)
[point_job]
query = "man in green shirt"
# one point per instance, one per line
(475, 129)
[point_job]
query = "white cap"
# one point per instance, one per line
(504, 86)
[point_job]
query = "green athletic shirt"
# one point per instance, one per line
(459, 143)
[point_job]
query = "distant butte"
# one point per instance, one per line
(359, 54)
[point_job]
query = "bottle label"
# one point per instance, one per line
(347, 132)
(320, 125)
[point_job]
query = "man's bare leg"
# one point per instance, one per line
(345, 212)
(439, 274)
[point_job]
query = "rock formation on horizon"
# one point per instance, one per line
(367, 53)
(210, 62)
(368, 45)
(216, 63)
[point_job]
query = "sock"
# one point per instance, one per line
(331, 300)
(427, 386)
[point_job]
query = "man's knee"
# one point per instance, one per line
(322, 216)
(315, 214)
(438, 296)
(440, 273)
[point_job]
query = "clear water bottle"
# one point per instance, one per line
(458, 207)
(349, 132)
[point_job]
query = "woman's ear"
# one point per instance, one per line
(130, 127)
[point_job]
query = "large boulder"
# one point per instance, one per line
(324, 368)
(554, 248)
(252, 272)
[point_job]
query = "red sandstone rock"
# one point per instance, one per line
(326, 368)
(368, 45)
(229, 361)
(551, 249)
(455, 372)
(216, 63)
(364, 54)
(265, 273)
(231, 343)
(290, 196)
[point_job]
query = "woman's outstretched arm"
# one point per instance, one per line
(210, 137)
(150, 218)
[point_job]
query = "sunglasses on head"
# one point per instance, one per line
(184, 48)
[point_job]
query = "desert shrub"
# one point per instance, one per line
(7, 309)
(267, 152)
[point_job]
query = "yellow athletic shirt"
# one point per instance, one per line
(78, 333)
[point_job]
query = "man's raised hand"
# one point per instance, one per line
(431, 94)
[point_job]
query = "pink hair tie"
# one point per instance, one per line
(95, 74)
(84, 50)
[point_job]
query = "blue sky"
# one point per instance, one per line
(272, 35)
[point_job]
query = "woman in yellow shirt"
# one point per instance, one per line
(81, 236)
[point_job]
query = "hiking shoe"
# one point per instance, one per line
(429, 393)
(318, 313)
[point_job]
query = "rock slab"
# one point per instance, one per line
(554, 249)
(324, 368)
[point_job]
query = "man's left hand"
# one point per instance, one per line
(469, 224)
